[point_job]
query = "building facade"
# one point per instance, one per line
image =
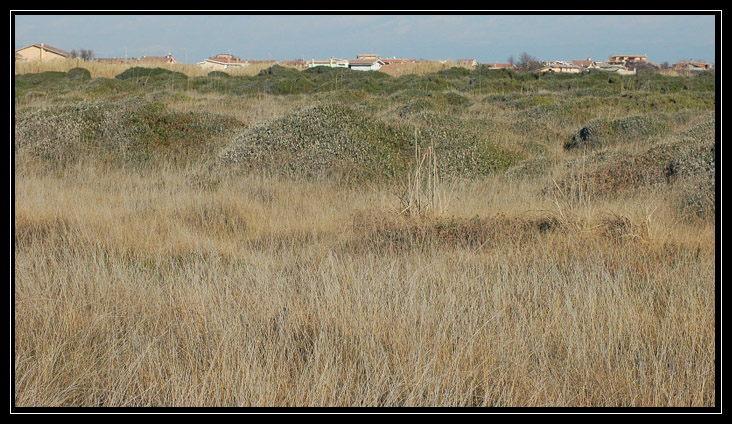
(561, 67)
(223, 61)
(365, 64)
(627, 60)
(330, 63)
(41, 52)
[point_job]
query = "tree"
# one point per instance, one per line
(82, 54)
(87, 54)
(527, 62)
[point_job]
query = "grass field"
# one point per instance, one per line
(535, 241)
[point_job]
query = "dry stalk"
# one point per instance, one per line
(422, 191)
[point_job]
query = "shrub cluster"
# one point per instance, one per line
(334, 139)
(687, 155)
(131, 131)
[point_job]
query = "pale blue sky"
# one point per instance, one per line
(486, 37)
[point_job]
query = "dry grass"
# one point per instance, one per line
(140, 289)
(420, 68)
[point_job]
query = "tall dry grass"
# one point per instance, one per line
(421, 68)
(138, 288)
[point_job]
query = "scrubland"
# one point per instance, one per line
(463, 238)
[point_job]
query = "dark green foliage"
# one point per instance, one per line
(218, 74)
(41, 83)
(48, 77)
(454, 73)
(109, 88)
(155, 78)
(455, 99)
(137, 72)
(78, 74)
(655, 82)
(279, 71)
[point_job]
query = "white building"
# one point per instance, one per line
(365, 64)
(223, 61)
(330, 63)
(561, 67)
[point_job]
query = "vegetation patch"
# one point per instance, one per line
(533, 167)
(689, 154)
(320, 141)
(631, 129)
(389, 232)
(159, 78)
(338, 140)
(78, 74)
(374, 283)
(127, 132)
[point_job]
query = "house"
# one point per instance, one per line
(617, 69)
(627, 60)
(500, 65)
(367, 56)
(561, 67)
(692, 66)
(223, 61)
(467, 62)
(167, 59)
(365, 64)
(585, 64)
(330, 63)
(42, 52)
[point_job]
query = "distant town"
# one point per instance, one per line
(624, 64)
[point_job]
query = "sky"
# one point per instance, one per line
(192, 36)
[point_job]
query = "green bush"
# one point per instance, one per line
(43, 83)
(688, 155)
(132, 131)
(218, 74)
(631, 129)
(324, 140)
(78, 74)
(137, 72)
